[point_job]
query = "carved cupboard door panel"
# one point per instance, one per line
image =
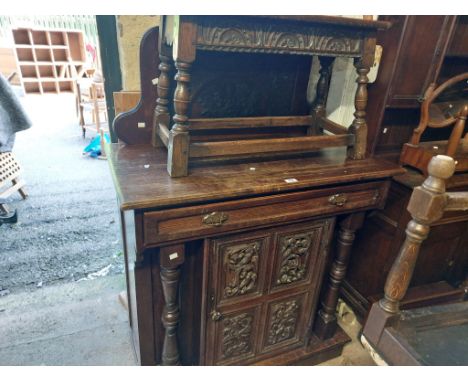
(261, 291)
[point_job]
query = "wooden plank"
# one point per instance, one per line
(252, 146)
(236, 123)
(331, 126)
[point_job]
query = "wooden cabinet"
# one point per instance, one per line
(265, 286)
(231, 266)
(239, 262)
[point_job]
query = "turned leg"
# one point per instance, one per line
(177, 161)
(326, 321)
(161, 112)
(426, 206)
(170, 260)
(320, 103)
(359, 125)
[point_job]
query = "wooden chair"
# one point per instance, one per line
(439, 115)
(91, 97)
(436, 335)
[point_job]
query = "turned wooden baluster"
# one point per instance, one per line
(426, 206)
(326, 322)
(178, 150)
(161, 115)
(170, 260)
(359, 125)
(320, 103)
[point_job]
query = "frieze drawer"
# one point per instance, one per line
(185, 223)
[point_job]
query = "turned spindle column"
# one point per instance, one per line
(326, 322)
(359, 125)
(321, 93)
(178, 149)
(161, 112)
(170, 260)
(426, 206)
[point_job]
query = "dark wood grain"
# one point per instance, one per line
(151, 187)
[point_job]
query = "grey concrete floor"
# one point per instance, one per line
(61, 266)
(67, 228)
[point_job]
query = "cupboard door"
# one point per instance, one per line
(261, 291)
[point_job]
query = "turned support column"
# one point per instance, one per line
(426, 206)
(161, 112)
(359, 125)
(178, 149)
(320, 103)
(326, 322)
(171, 258)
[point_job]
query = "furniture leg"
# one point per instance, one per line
(359, 125)
(320, 102)
(178, 148)
(170, 260)
(161, 113)
(326, 321)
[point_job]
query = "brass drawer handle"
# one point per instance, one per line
(216, 219)
(337, 199)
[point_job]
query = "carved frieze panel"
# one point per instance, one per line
(283, 321)
(237, 335)
(256, 36)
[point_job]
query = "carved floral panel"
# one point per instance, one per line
(241, 267)
(293, 257)
(237, 335)
(283, 321)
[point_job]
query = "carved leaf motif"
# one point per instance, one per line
(236, 335)
(283, 323)
(241, 267)
(293, 252)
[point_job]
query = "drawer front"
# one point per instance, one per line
(213, 219)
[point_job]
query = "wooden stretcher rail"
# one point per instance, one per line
(331, 126)
(309, 143)
(245, 123)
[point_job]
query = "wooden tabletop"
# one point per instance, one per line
(141, 179)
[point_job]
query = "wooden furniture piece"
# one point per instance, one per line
(441, 271)
(227, 68)
(49, 61)
(433, 44)
(436, 46)
(417, 154)
(10, 180)
(237, 263)
(91, 99)
(428, 336)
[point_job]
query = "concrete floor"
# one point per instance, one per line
(61, 267)
(67, 229)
